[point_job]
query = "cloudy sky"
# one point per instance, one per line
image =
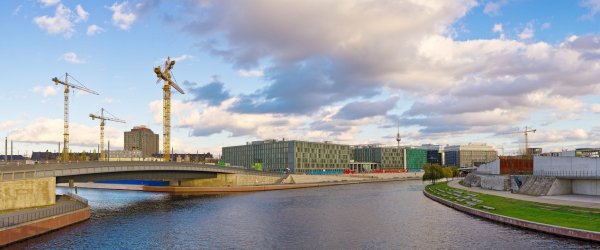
(448, 72)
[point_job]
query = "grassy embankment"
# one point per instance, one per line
(565, 216)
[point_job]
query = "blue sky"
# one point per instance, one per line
(449, 72)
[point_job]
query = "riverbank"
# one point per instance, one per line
(569, 221)
(23, 224)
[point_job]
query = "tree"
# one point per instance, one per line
(433, 172)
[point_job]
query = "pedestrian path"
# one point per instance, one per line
(561, 200)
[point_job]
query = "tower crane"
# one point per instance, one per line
(166, 77)
(103, 118)
(67, 85)
(526, 132)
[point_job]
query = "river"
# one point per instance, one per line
(392, 215)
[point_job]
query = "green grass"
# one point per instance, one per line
(565, 216)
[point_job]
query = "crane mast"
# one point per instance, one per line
(67, 85)
(102, 119)
(526, 132)
(166, 77)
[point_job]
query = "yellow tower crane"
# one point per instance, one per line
(103, 118)
(67, 84)
(526, 132)
(166, 77)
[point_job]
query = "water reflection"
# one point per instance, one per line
(392, 215)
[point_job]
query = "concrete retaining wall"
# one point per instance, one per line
(560, 187)
(492, 182)
(490, 168)
(588, 187)
(27, 193)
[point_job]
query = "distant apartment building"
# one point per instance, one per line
(472, 154)
(143, 139)
(297, 156)
(387, 157)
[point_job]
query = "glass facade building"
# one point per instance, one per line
(416, 158)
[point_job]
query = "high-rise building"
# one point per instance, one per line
(469, 155)
(143, 139)
(297, 156)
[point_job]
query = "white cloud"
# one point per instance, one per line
(493, 8)
(17, 10)
(527, 33)
(122, 16)
(451, 86)
(71, 57)
(93, 30)
(47, 3)
(45, 91)
(60, 23)
(182, 58)
(593, 6)
(546, 26)
(251, 73)
(82, 15)
(595, 108)
(46, 130)
(498, 29)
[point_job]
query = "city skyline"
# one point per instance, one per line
(449, 73)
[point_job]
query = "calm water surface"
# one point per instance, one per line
(393, 215)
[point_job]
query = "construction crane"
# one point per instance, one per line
(103, 118)
(526, 132)
(67, 84)
(166, 77)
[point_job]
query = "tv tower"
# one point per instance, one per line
(398, 136)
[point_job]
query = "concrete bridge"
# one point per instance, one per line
(23, 186)
(100, 171)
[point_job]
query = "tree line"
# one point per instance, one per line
(434, 172)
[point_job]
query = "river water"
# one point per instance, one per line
(392, 215)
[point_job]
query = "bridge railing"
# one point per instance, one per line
(574, 174)
(9, 220)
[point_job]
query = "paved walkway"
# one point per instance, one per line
(561, 200)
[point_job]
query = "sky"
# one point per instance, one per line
(353, 72)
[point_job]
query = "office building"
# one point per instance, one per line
(143, 139)
(469, 155)
(388, 157)
(297, 156)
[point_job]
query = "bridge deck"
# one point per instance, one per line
(20, 172)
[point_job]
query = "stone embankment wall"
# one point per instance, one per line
(229, 180)
(301, 179)
(492, 182)
(27, 193)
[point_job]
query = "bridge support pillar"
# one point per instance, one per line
(27, 193)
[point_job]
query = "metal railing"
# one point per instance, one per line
(77, 198)
(577, 174)
(9, 220)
